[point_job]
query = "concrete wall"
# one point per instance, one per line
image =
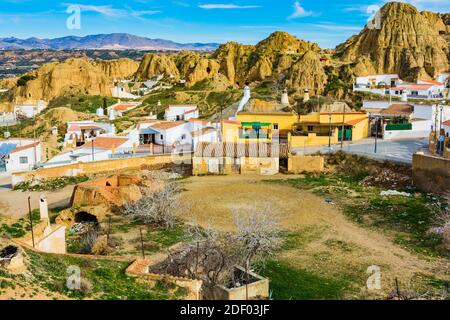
(54, 241)
(312, 140)
(78, 169)
(431, 174)
(300, 164)
(420, 129)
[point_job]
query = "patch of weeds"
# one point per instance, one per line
(298, 239)
(50, 184)
(166, 238)
(21, 227)
(339, 245)
(107, 278)
(288, 283)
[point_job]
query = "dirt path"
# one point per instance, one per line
(14, 204)
(329, 244)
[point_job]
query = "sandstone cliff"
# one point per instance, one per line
(74, 75)
(234, 64)
(408, 42)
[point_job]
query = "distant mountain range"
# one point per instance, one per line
(114, 41)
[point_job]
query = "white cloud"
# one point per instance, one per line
(110, 11)
(332, 26)
(226, 6)
(299, 11)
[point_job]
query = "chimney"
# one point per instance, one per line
(43, 208)
(306, 95)
(285, 98)
(404, 96)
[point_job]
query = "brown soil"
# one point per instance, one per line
(329, 245)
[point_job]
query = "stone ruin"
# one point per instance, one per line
(93, 201)
(11, 259)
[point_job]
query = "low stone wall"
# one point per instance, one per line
(78, 169)
(312, 140)
(431, 173)
(301, 164)
(258, 289)
(139, 269)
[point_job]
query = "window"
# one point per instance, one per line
(23, 160)
(310, 128)
(183, 137)
(162, 137)
(275, 126)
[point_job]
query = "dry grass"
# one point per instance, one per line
(325, 242)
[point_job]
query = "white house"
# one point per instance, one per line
(19, 155)
(80, 132)
(209, 134)
(446, 127)
(101, 148)
(181, 112)
(119, 108)
(30, 109)
(122, 93)
(423, 90)
(376, 83)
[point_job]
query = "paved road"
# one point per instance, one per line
(398, 150)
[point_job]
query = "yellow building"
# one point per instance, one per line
(300, 131)
(314, 129)
(261, 126)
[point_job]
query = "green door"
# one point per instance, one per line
(348, 134)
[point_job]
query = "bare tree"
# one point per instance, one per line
(257, 235)
(159, 208)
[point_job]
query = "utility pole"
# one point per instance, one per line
(376, 133)
(31, 220)
(343, 129)
(142, 244)
(92, 149)
(329, 133)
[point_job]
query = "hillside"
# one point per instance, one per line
(81, 76)
(408, 42)
(277, 57)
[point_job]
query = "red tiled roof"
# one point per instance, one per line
(28, 146)
(202, 132)
(90, 127)
(106, 143)
(124, 107)
(198, 120)
(413, 87)
(232, 122)
(356, 121)
(433, 82)
(446, 123)
(168, 125)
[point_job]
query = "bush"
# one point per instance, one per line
(100, 247)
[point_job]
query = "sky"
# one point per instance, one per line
(325, 22)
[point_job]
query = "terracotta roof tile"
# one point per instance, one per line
(106, 143)
(237, 150)
(168, 125)
(28, 146)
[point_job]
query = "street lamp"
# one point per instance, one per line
(376, 133)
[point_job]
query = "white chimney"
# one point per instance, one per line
(404, 96)
(306, 95)
(100, 112)
(43, 207)
(285, 98)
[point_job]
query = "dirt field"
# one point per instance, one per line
(326, 244)
(14, 204)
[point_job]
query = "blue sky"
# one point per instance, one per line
(326, 22)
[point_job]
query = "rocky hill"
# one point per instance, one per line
(72, 76)
(407, 42)
(281, 56)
